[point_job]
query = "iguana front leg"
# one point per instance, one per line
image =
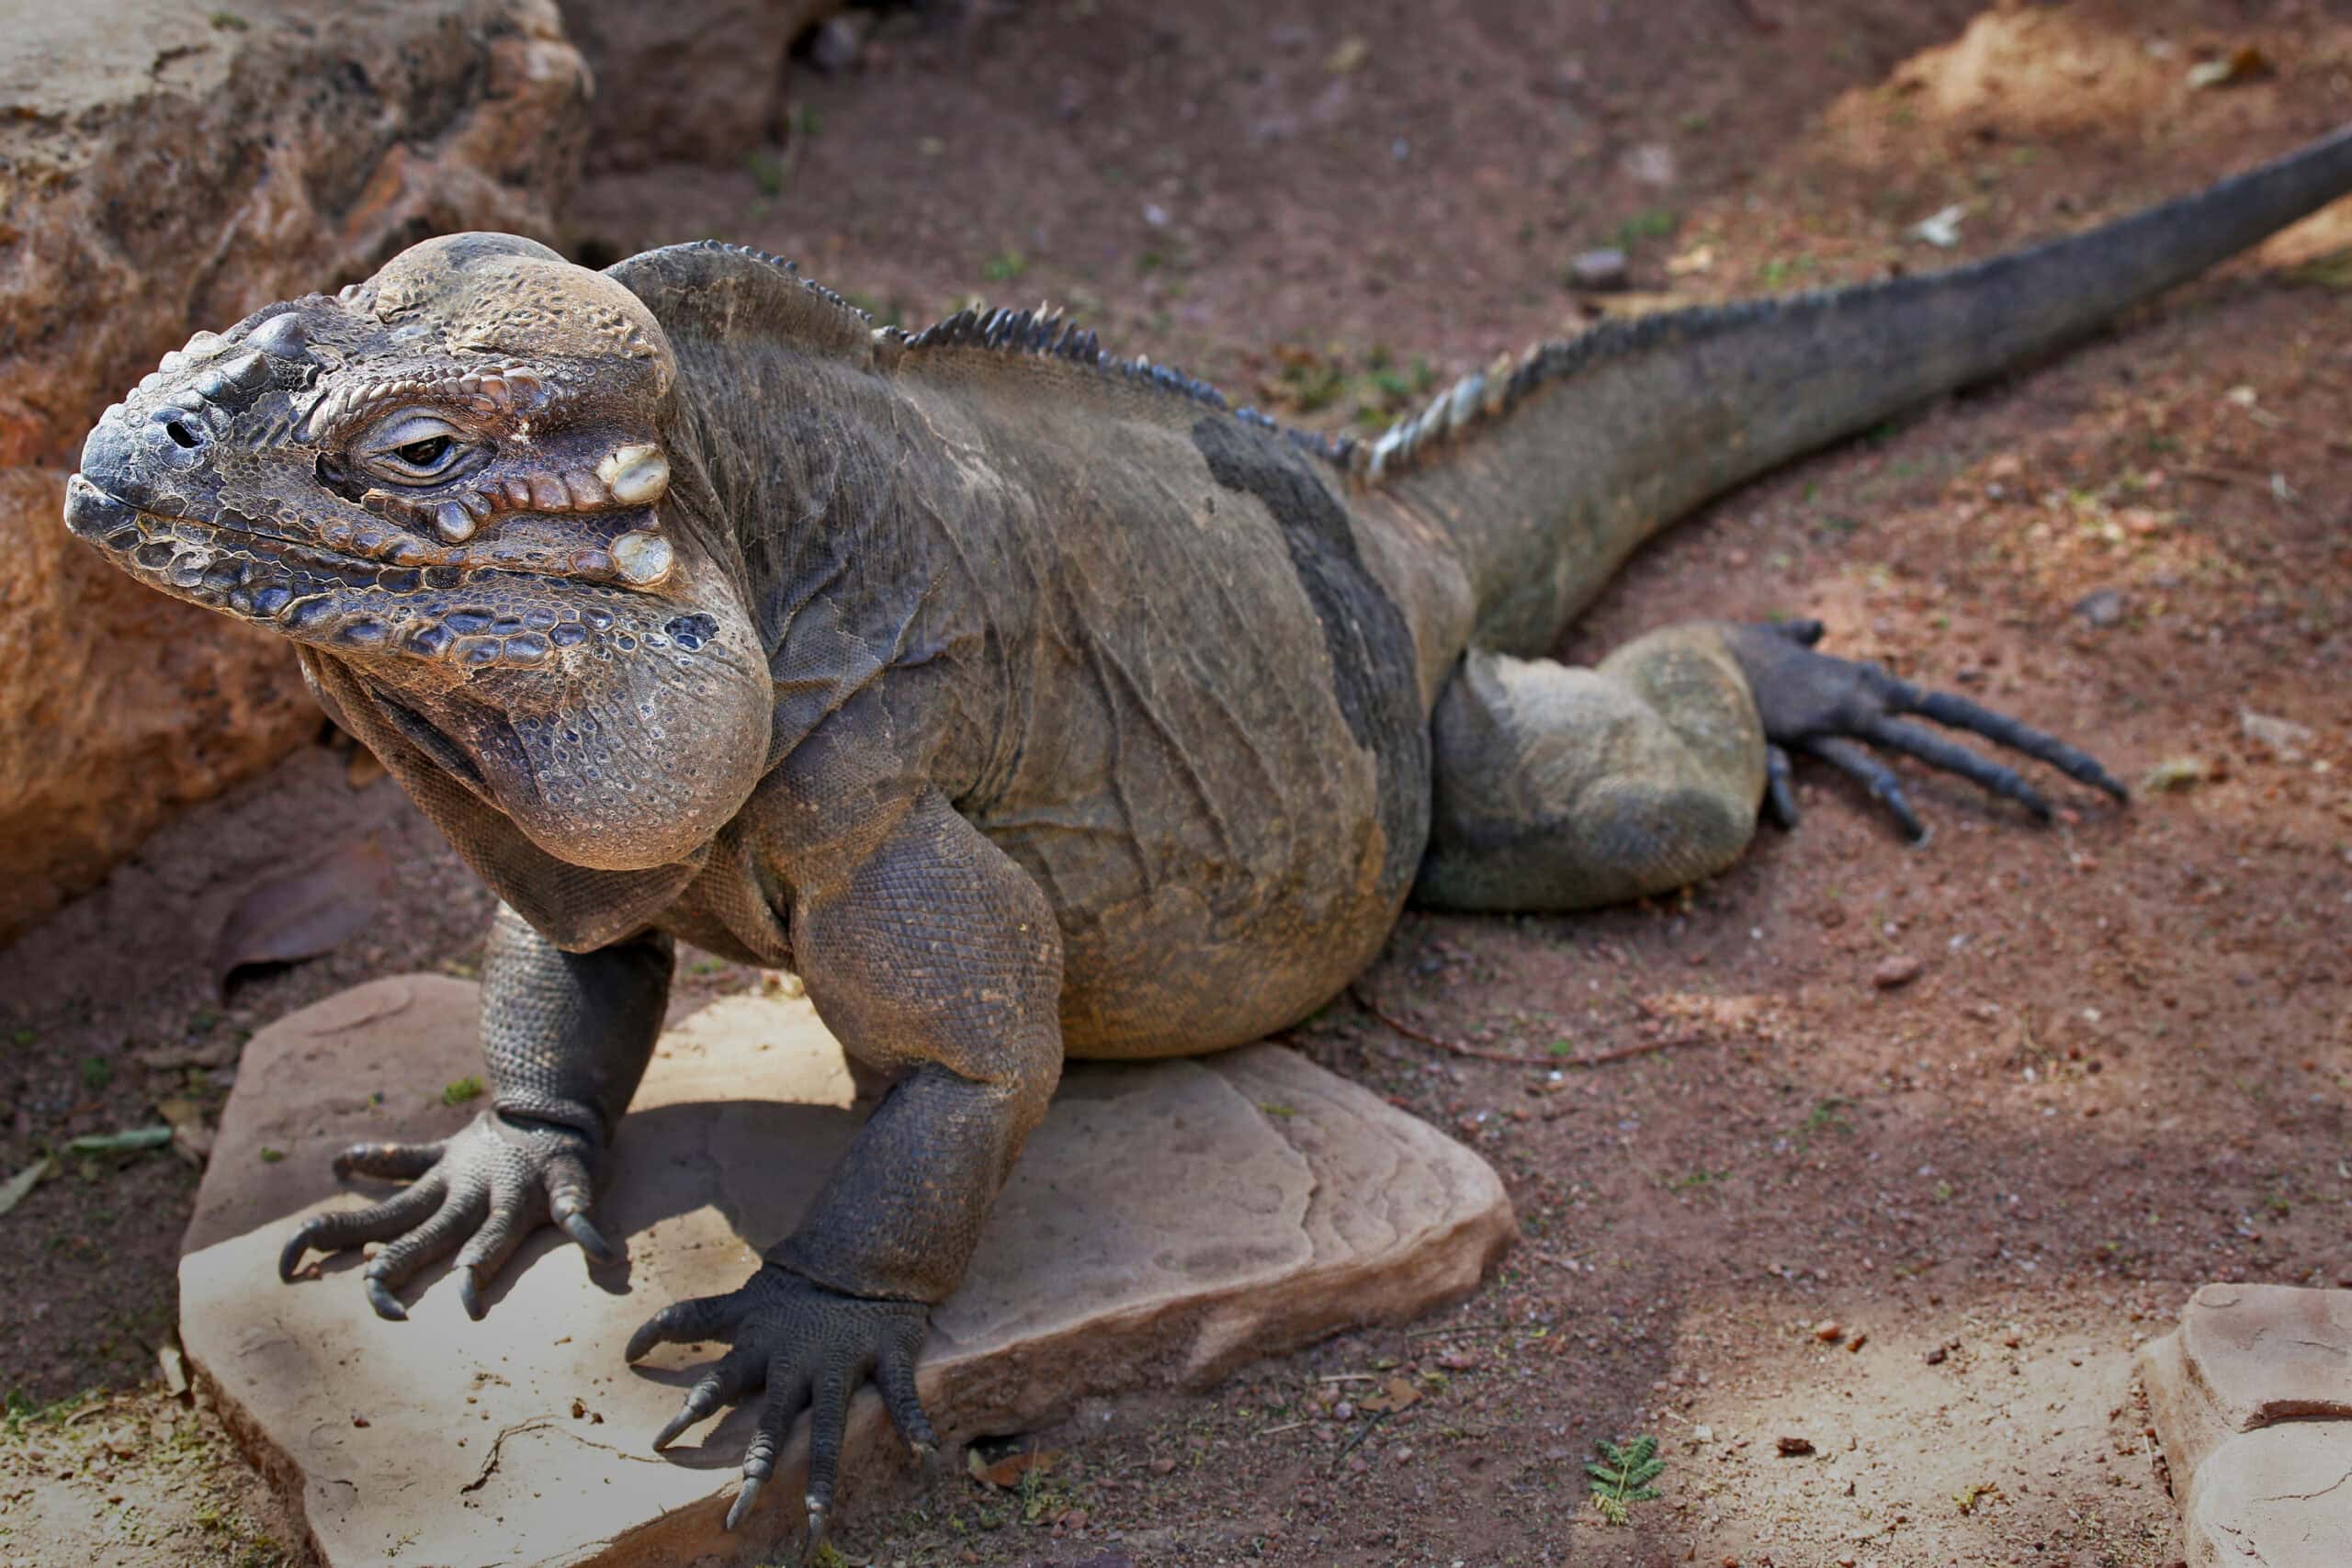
(1834, 709)
(566, 1037)
(928, 952)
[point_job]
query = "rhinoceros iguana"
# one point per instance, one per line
(1027, 702)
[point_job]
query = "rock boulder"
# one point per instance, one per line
(167, 168)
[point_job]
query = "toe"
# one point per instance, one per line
(726, 1378)
(683, 1322)
(343, 1228)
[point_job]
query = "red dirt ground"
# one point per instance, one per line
(2121, 1069)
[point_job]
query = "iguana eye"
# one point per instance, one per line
(418, 448)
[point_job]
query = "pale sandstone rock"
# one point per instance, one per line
(2280, 1497)
(1168, 1221)
(699, 80)
(2252, 1399)
(167, 168)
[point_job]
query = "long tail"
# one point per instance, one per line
(1549, 469)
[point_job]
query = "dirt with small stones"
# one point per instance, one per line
(1954, 1127)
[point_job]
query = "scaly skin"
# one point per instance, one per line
(1026, 702)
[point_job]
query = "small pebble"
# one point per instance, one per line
(1599, 271)
(1895, 971)
(2102, 607)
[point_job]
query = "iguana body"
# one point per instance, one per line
(1027, 703)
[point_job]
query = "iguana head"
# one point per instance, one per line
(450, 485)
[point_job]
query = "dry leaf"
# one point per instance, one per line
(2247, 64)
(174, 1365)
(2175, 773)
(311, 911)
(1350, 56)
(130, 1141)
(191, 1139)
(1699, 258)
(13, 1191)
(1006, 1473)
(1397, 1395)
(1941, 229)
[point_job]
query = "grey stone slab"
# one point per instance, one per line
(1168, 1222)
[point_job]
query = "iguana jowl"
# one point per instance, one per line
(1024, 701)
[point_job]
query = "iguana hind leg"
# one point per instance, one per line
(1560, 789)
(1565, 788)
(1834, 709)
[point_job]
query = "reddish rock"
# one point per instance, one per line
(1895, 971)
(168, 167)
(118, 706)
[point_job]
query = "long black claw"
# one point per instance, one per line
(680, 1323)
(1961, 713)
(1953, 758)
(1779, 793)
(590, 1238)
(1851, 759)
(678, 1423)
(387, 1306)
(469, 1295)
(289, 1257)
(816, 1533)
(742, 1503)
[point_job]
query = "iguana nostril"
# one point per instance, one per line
(181, 435)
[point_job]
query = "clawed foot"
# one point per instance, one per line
(1827, 707)
(812, 1348)
(496, 1182)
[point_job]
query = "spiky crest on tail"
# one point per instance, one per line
(1552, 468)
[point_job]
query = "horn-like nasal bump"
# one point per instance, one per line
(281, 337)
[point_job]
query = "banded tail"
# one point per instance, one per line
(1550, 471)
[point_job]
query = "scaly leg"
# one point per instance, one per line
(566, 1036)
(928, 952)
(1560, 789)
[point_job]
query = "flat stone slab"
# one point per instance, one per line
(2252, 1397)
(1168, 1221)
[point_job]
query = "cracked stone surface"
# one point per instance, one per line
(2252, 1397)
(1164, 1225)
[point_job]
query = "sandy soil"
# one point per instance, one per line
(1919, 1229)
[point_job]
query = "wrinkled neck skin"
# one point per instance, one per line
(861, 533)
(630, 749)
